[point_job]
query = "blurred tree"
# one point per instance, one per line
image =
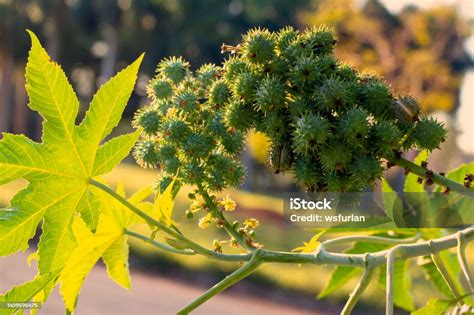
(418, 51)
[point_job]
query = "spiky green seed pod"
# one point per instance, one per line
(365, 170)
(244, 86)
(193, 173)
(233, 67)
(346, 72)
(176, 131)
(337, 95)
(335, 156)
(300, 106)
(239, 115)
(224, 171)
(383, 137)
(174, 69)
(327, 64)
(219, 93)
(353, 124)
(339, 181)
(270, 95)
(149, 119)
(186, 101)
(171, 166)
(160, 88)
(319, 40)
(198, 145)
(235, 174)
(310, 132)
(375, 97)
(232, 142)
(258, 46)
(207, 73)
(274, 125)
(145, 153)
(307, 172)
(305, 72)
(216, 126)
(166, 151)
(429, 133)
(284, 38)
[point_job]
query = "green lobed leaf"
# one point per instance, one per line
(25, 292)
(435, 278)
(411, 184)
(434, 307)
(105, 113)
(460, 172)
(60, 167)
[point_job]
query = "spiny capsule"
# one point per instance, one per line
(149, 119)
(353, 124)
(429, 133)
(145, 153)
(160, 88)
(270, 94)
(310, 131)
(219, 93)
(173, 68)
(258, 46)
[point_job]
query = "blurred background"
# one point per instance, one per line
(422, 47)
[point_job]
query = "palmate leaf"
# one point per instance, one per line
(59, 168)
(108, 242)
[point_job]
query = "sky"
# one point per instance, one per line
(466, 7)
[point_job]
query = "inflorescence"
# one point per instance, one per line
(329, 124)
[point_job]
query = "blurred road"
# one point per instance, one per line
(150, 294)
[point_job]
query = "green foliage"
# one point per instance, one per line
(289, 86)
(331, 128)
(58, 171)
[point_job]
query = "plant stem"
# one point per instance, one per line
(358, 291)
(166, 247)
(194, 246)
(461, 253)
(438, 179)
(220, 216)
(370, 239)
(389, 282)
(244, 271)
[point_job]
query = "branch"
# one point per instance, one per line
(370, 239)
(194, 246)
(461, 253)
(207, 252)
(244, 271)
(389, 282)
(220, 216)
(358, 290)
(438, 179)
(160, 245)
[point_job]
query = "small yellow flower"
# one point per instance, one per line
(228, 204)
(204, 221)
(251, 223)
